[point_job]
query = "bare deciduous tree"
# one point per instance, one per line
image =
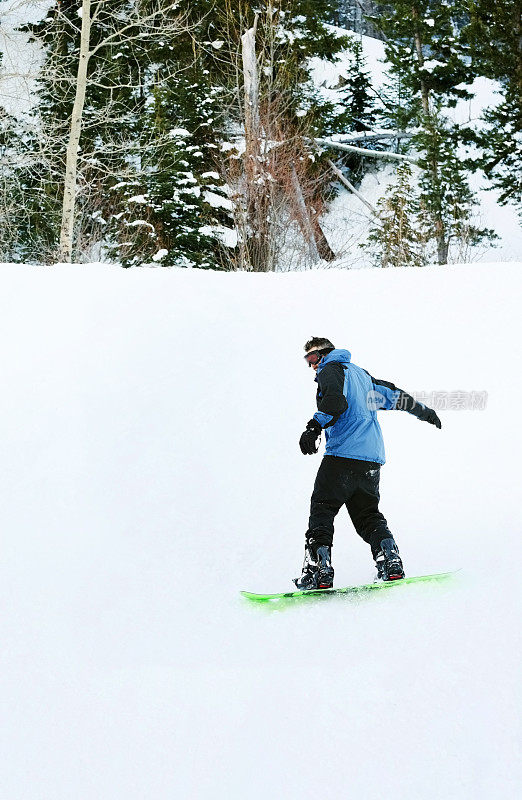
(138, 25)
(275, 192)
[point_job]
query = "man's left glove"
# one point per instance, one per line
(308, 441)
(431, 416)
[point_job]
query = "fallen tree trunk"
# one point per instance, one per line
(304, 217)
(352, 188)
(317, 242)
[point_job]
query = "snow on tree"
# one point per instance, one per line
(262, 67)
(192, 134)
(395, 239)
(176, 204)
(432, 71)
(92, 89)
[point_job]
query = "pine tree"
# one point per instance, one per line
(175, 207)
(356, 111)
(359, 97)
(29, 205)
(494, 38)
(136, 85)
(395, 238)
(448, 203)
(430, 63)
(111, 104)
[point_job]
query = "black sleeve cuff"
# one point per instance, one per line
(313, 425)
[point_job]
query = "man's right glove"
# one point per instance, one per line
(308, 440)
(429, 415)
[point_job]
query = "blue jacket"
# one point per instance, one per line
(348, 399)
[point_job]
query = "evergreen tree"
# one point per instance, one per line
(395, 238)
(29, 205)
(173, 210)
(431, 66)
(111, 105)
(357, 111)
(360, 100)
(494, 38)
(446, 200)
(289, 32)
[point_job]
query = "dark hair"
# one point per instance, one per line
(319, 343)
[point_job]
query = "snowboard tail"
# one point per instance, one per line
(364, 588)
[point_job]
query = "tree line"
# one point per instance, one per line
(191, 133)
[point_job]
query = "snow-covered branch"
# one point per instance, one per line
(370, 136)
(145, 27)
(363, 151)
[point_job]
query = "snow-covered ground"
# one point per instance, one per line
(150, 470)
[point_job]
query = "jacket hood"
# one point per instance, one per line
(341, 356)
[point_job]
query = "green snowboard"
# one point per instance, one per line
(368, 587)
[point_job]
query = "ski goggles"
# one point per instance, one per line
(313, 358)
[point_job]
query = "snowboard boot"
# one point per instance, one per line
(388, 562)
(309, 575)
(325, 571)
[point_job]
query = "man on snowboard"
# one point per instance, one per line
(347, 402)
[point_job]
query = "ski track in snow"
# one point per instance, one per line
(150, 470)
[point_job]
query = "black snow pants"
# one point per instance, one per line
(341, 482)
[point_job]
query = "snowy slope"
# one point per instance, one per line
(150, 470)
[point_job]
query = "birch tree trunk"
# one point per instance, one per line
(257, 246)
(251, 84)
(69, 192)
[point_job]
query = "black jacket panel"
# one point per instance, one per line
(330, 394)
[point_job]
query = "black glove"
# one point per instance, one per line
(308, 440)
(429, 415)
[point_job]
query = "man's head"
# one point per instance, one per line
(316, 349)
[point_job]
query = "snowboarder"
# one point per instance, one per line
(347, 402)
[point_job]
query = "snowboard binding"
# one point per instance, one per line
(317, 573)
(388, 562)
